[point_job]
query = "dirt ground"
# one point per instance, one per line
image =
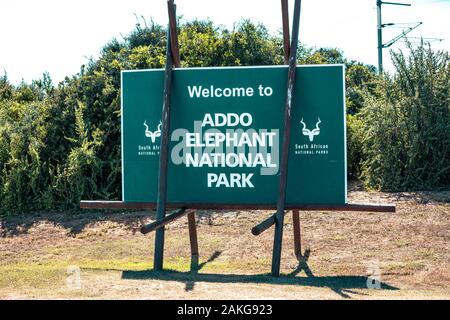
(98, 255)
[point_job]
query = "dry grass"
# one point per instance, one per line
(410, 248)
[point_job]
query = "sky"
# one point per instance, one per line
(59, 36)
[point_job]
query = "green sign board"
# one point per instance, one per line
(225, 135)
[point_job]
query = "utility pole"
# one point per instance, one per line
(380, 38)
(380, 27)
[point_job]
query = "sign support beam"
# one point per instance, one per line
(177, 63)
(297, 234)
(281, 202)
(172, 45)
(163, 161)
(172, 9)
(172, 60)
(286, 34)
(193, 240)
(286, 46)
(164, 221)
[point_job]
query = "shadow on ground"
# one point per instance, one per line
(74, 222)
(342, 285)
(77, 222)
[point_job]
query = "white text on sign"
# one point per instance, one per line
(213, 92)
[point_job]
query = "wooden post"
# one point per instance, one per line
(164, 153)
(172, 8)
(286, 35)
(163, 158)
(281, 202)
(297, 233)
(286, 47)
(193, 240)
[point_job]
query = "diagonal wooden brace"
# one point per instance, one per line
(164, 221)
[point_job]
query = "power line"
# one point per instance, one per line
(403, 34)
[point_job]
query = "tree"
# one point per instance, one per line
(359, 79)
(6, 89)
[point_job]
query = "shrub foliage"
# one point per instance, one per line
(406, 124)
(60, 144)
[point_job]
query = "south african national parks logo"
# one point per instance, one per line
(311, 133)
(153, 134)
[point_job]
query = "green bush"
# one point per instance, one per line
(354, 146)
(406, 125)
(23, 176)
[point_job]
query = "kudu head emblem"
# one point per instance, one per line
(311, 133)
(153, 135)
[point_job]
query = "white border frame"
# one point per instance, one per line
(344, 97)
(121, 136)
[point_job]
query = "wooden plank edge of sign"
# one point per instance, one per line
(364, 207)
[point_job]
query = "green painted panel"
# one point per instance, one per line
(225, 135)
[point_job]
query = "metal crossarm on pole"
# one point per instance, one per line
(396, 3)
(281, 202)
(403, 34)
